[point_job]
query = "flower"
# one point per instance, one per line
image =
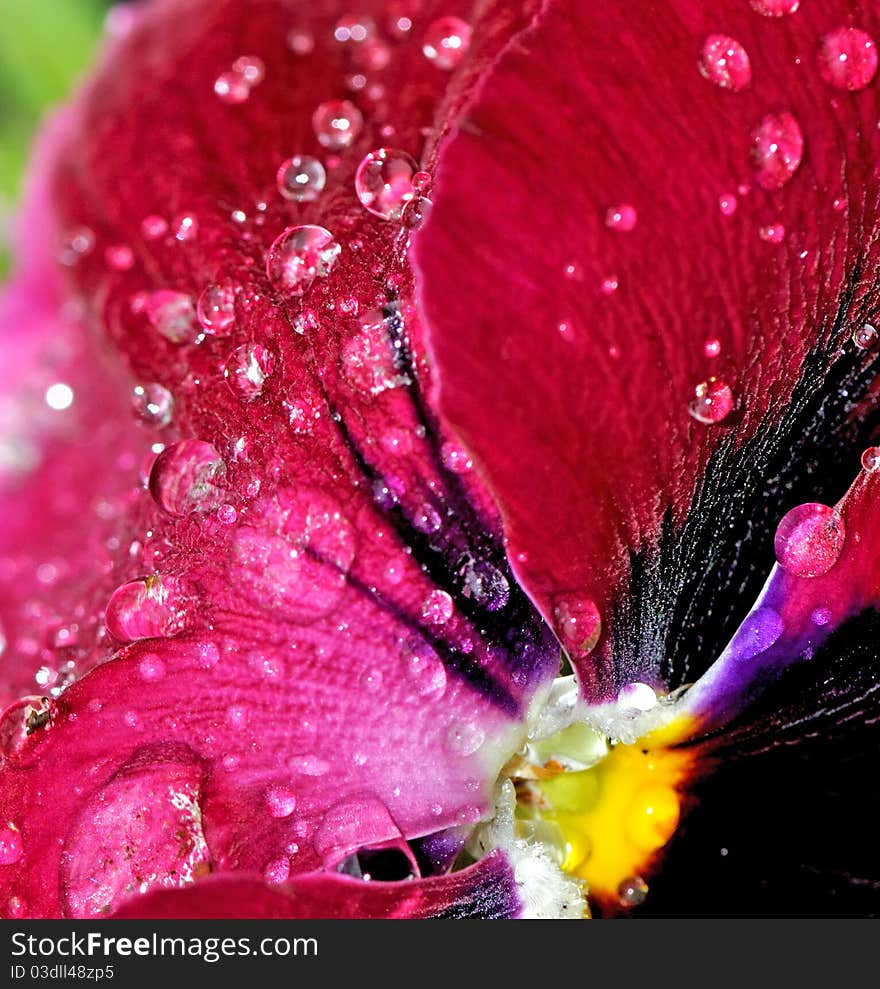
(452, 343)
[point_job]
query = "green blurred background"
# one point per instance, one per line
(45, 45)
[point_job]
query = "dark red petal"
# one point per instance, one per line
(484, 891)
(582, 268)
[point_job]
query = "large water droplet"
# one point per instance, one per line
(246, 370)
(25, 729)
(301, 178)
(383, 182)
(847, 58)
(146, 609)
(865, 336)
(577, 622)
(871, 459)
(712, 401)
(725, 62)
(216, 309)
(235, 85)
(464, 738)
(11, 846)
(446, 41)
(173, 315)
(188, 477)
(337, 124)
(368, 357)
(809, 540)
(153, 404)
(280, 800)
(777, 147)
(299, 256)
(438, 607)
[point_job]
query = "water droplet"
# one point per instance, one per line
(24, 730)
(773, 233)
(188, 477)
(759, 631)
(153, 227)
(821, 616)
(847, 58)
(59, 396)
(609, 285)
(712, 401)
(246, 370)
(235, 85)
(438, 607)
(712, 347)
(464, 738)
(809, 540)
(337, 124)
(727, 203)
(16, 908)
(173, 315)
(301, 178)
(368, 358)
(299, 256)
(871, 459)
(455, 458)
(119, 257)
(186, 227)
(280, 800)
(577, 622)
(724, 62)
(76, 244)
(637, 697)
(777, 147)
(145, 609)
(632, 892)
(153, 404)
(383, 182)
(622, 218)
(446, 41)
(227, 514)
(305, 321)
(301, 41)
(11, 847)
(865, 336)
(151, 669)
(216, 309)
(277, 870)
(427, 672)
(237, 716)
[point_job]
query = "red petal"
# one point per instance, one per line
(486, 890)
(596, 158)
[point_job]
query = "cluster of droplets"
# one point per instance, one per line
(234, 86)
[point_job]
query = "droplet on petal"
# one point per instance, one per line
(153, 404)
(383, 182)
(464, 738)
(577, 622)
(299, 256)
(712, 347)
(11, 847)
(772, 233)
(119, 257)
(144, 609)
(622, 218)
(301, 178)
(727, 203)
(632, 892)
(416, 211)
(446, 42)
(337, 124)
(712, 401)
(871, 459)
(777, 147)
(173, 315)
(724, 62)
(809, 540)
(188, 477)
(153, 227)
(216, 309)
(235, 86)
(865, 336)
(847, 58)
(438, 607)
(246, 370)
(280, 800)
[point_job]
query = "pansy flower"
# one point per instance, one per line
(495, 534)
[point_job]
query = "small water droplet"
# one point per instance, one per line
(865, 337)
(455, 458)
(446, 42)
(153, 404)
(186, 228)
(216, 309)
(821, 616)
(299, 256)
(622, 218)
(371, 681)
(727, 203)
(772, 233)
(809, 540)
(724, 62)
(76, 244)
(246, 370)
(301, 41)
(235, 86)
(119, 257)
(760, 629)
(777, 147)
(337, 124)
(145, 609)
(577, 622)
(464, 738)
(153, 227)
(11, 846)
(438, 607)
(712, 347)
(383, 182)
(871, 459)
(301, 178)
(280, 800)
(151, 669)
(427, 672)
(188, 477)
(847, 58)
(610, 285)
(173, 315)
(712, 401)
(305, 322)
(632, 892)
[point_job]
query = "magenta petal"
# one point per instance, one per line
(484, 891)
(646, 323)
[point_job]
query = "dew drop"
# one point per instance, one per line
(24, 730)
(622, 218)
(188, 477)
(76, 244)
(609, 285)
(235, 86)
(577, 622)
(777, 147)
(277, 871)
(11, 847)
(280, 800)
(712, 347)
(299, 256)
(446, 42)
(337, 124)
(760, 629)
(724, 62)
(637, 697)
(415, 212)
(153, 404)
(712, 401)
(301, 178)
(371, 681)
(871, 459)
(632, 892)
(727, 203)
(246, 370)
(427, 672)
(809, 540)
(145, 609)
(151, 669)
(464, 738)
(383, 182)
(847, 58)
(865, 336)
(305, 322)
(300, 41)
(772, 233)
(438, 607)
(216, 309)
(153, 227)
(173, 315)
(119, 257)
(454, 458)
